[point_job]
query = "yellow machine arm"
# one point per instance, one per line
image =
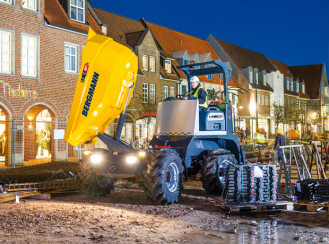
(107, 73)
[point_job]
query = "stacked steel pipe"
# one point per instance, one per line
(243, 185)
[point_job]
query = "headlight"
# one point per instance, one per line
(86, 153)
(131, 159)
(96, 158)
(142, 154)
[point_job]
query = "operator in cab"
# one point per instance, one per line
(199, 93)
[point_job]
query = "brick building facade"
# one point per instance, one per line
(43, 45)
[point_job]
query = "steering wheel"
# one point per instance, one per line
(180, 97)
(185, 96)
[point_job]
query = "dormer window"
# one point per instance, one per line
(287, 84)
(168, 66)
(77, 10)
(291, 85)
(30, 4)
(297, 86)
(250, 76)
(256, 77)
(264, 80)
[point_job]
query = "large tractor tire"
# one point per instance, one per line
(213, 170)
(91, 183)
(163, 177)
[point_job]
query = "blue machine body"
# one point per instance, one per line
(216, 123)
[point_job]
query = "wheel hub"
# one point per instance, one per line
(172, 177)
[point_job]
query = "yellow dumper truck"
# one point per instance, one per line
(103, 91)
(187, 140)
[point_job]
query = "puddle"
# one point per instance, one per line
(269, 231)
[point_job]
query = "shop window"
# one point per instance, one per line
(168, 66)
(71, 58)
(145, 92)
(152, 93)
(145, 62)
(30, 4)
(5, 52)
(165, 92)
(152, 64)
(29, 56)
(77, 10)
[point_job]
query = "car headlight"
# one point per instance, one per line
(131, 159)
(96, 158)
(142, 154)
(86, 153)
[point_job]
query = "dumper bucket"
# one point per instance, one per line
(107, 71)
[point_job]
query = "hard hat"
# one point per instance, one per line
(279, 131)
(258, 129)
(194, 79)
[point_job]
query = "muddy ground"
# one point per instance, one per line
(127, 216)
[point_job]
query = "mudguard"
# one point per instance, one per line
(107, 71)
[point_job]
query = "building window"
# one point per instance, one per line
(287, 85)
(152, 64)
(291, 86)
(172, 91)
(168, 66)
(77, 10)
(165, 92)
(266, 100)
(152, 93)
(29, 56)
(145, 92)
(71, 58)
(263, 100)
(30, 4)
(145, 62)
(184, 90)
(7, 1)
(258, 99)
(5, 52)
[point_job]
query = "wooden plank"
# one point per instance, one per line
(6, 197)
(310, 206)
(255, 207)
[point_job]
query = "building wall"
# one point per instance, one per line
(52, 88)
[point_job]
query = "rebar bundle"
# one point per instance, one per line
(312, 190)
(243, 185)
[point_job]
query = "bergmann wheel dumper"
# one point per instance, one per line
(184, 143)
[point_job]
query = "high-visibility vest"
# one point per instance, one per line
(260, 138)
(205, 104)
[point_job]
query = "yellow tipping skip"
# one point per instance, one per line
(107, 71)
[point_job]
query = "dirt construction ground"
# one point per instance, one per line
(127, 216)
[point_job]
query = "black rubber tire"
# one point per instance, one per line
(163, 177)
(91, 183)
(212, 172)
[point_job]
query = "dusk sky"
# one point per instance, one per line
(295, 32)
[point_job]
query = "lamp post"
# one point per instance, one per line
(256, 106)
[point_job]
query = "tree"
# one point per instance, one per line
(279, 115)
